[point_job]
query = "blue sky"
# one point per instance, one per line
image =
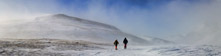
(158, 18)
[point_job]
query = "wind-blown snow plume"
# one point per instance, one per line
(207, 26)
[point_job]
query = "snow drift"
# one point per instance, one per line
(60, 26)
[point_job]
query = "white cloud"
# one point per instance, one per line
(207, 27)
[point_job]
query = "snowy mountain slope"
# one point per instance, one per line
(60, 26)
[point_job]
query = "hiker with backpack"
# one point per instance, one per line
(116, 43)
(125, 43)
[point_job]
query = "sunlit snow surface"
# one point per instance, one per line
(55, 47)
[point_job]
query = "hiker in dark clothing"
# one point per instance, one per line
(116, 43)
(125, 43)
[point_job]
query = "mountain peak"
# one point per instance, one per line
(60, 15)
(65, 19)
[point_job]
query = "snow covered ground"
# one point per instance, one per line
(56, 47)
(201, 50)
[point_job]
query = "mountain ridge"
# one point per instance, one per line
(60, 26)
(74, 19)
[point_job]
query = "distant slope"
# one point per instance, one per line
(60, 26)
(156, 41)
